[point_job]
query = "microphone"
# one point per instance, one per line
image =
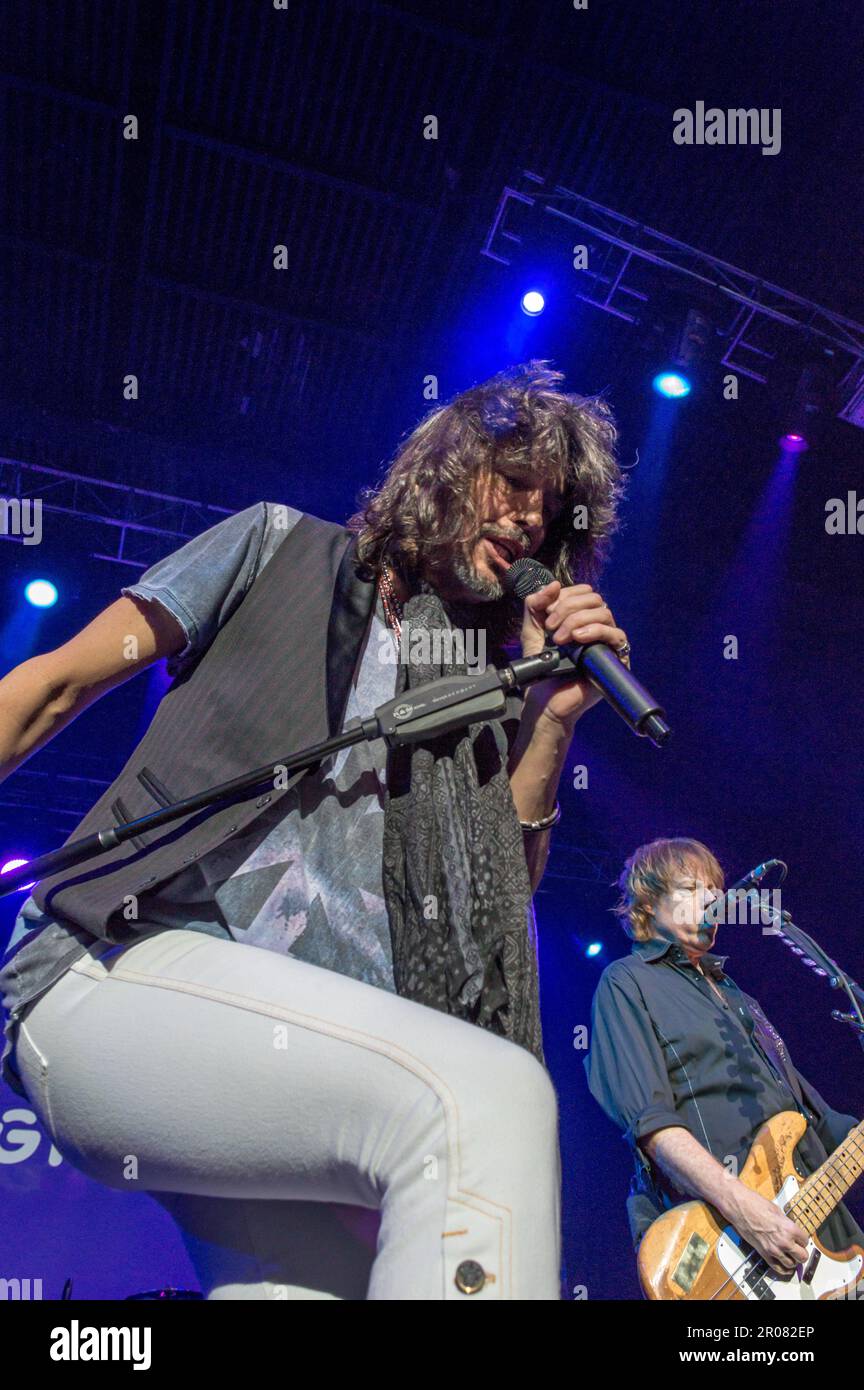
(598, 662)
(717, 911)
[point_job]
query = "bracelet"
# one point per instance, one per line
(546, 823)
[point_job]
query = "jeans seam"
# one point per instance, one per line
(269, 1009)
(396, 1053)
(43, 1068)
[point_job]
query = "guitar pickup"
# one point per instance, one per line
(810, 1267)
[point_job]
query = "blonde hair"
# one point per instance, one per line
(650, 872)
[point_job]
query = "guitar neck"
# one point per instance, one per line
(824, 1189)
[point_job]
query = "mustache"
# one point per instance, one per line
(517, 538)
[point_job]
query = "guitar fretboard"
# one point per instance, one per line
(820, 1194)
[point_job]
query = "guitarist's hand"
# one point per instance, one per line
(763, 1225)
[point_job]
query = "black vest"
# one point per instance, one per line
(274, 679)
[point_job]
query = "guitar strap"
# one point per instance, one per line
(646, 1200)
(769, 1043)
(774, 1050)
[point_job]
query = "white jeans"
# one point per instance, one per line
(265, 1102)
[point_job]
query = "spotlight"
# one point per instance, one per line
(41, 593)
(671, 384)
(808, 406)
(594, 949)
(687, 333)
(793, 443)
(16, 864)
(533, 303)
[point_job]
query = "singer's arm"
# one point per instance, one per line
(552, 707)
(535, 767)
(43, 694)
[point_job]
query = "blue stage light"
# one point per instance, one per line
(16, 864)
(41, 593)
(671, 384)
(533, 303)
(594, 949)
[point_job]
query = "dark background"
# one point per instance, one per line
(304, 127)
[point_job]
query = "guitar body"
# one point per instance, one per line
(689, 1253)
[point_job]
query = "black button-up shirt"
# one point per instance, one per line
(665, 1051)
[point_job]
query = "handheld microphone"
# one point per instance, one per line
(598, 662)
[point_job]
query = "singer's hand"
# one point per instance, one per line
(574, 614)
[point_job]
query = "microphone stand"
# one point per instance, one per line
(435, 708)
(812, 955)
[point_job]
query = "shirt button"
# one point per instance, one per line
(470, 1277)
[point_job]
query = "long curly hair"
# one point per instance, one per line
(518, 419)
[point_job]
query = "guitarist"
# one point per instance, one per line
(689, 1067)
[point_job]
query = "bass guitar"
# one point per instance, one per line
(690, 1253)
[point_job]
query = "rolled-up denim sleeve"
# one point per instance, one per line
(202, 583)
(626, 1068)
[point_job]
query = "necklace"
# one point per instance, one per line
(392, 607)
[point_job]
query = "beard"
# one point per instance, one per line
(482, 589)
(499, 614)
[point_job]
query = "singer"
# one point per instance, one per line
(688, 1066)
(383, 1050)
